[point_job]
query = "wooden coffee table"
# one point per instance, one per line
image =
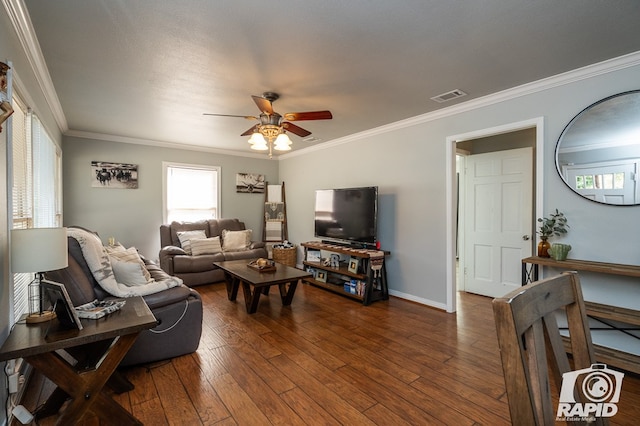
(98, 349)
(255, 282)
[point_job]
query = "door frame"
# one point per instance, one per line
(452, 191)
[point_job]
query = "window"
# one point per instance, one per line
(36, 186)
(191, 192)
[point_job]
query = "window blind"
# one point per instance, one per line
(36, 187)
(21, 195)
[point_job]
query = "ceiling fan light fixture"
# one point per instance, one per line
(257, 138)
(269, 133)
(260, 146)
(282, 143)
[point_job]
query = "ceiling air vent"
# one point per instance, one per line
(446, 97)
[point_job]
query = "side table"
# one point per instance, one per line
(80, 362)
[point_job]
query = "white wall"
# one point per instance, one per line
(134, 216)
(408, 164)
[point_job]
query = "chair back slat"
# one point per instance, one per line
(532, 349)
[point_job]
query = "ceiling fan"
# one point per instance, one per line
(272, 123)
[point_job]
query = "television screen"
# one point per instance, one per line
(348, 214)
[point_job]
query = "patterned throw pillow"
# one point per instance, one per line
(185, 238)
(236, 240)
(130, 255)
(206, 246)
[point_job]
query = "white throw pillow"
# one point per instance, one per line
(129, 255)
(128, 273)
(185, 238)
(206, 246)
(236, 240)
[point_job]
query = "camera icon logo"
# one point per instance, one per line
(590, 392)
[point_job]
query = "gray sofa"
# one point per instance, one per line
(199, 269)
(177, 309)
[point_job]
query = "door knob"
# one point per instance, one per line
(525, 237)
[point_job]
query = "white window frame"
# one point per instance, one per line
(165, 170)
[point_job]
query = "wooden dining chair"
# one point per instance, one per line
(532, 349)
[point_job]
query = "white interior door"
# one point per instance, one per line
(498, 220)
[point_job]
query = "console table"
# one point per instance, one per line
(600, 312)
(90, 357)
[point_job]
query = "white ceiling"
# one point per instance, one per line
(149, 69)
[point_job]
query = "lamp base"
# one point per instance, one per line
(39, 317)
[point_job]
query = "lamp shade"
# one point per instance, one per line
(257, 138)
(38, 249)
(283, 143)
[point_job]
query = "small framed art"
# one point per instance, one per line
(354, 263)
(321, 276)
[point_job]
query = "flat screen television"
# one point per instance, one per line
(347, 214)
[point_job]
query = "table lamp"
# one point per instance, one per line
(38, 250)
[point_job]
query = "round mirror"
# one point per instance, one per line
(598, 152)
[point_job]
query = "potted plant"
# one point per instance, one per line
(554, 225)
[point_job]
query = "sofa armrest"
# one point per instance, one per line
(172, 250)
(166, 257)
(257, 244)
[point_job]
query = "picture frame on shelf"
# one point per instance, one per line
(354, 264)
(60, 301)
(321, 276)
(313, 256)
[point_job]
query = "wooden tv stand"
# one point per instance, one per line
(600, 312)
(374, 280)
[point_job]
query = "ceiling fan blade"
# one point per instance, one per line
(263, 104)
(310, 115)
(250, 131)
(296, 130)
(248, 117)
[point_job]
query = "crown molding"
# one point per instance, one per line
(159, 144)
(19, 17)
(589, 71)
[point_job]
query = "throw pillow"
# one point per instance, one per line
(128, 273)
(185, 238)
(236, 240)
(206, 246)
(129, 255)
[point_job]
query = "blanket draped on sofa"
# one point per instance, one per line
(98, 261)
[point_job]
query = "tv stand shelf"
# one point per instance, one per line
(603, 314)
(371, 271)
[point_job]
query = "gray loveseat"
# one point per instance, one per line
(199, 269)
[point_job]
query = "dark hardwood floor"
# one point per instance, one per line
(329, 360)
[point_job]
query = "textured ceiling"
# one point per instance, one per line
(149, 69)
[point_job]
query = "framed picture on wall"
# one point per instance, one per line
(106, 174)
(251, 183)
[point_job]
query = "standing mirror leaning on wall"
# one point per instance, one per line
(598, 152)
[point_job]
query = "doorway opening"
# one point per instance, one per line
(482, 141)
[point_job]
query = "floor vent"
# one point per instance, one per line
(446, 97)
